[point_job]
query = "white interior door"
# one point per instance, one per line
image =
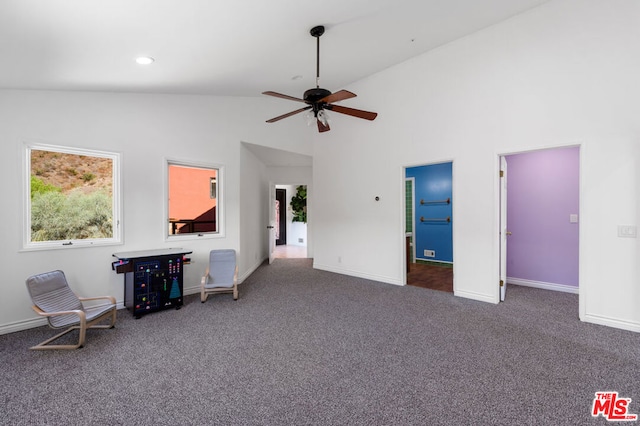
(272, 221)
(503, 228)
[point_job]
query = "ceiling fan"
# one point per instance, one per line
(320, 100)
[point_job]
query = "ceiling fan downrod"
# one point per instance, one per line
(317, 32)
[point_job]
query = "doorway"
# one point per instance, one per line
(429, 226)
(291, 229)
(539, 231)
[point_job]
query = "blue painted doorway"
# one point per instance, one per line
(432, 236)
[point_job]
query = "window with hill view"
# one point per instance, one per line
(194, 199)
(72, 197)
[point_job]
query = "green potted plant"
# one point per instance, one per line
(299, 204)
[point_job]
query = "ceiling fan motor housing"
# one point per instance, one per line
(312, 96)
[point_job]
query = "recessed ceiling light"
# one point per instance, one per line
(144, 60)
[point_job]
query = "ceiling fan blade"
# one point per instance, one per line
(323, 127)
(352, 112)
(340, 95)
(280, 95)
(289, 114)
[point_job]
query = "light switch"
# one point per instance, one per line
(627, 231)
(573, 218)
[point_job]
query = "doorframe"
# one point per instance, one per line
(271, 207)
(271, 239)
(413, 217)
(404, 207)
(582, 241)
(504, 233)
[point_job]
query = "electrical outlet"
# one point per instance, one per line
(339, 259)
(301, 240)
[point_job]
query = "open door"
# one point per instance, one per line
(272, 222)
(281, 216)
(503, 228)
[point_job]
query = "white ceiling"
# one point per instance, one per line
(278, 158)
(235, 48)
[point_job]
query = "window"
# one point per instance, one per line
(72, 197)
(194, 199)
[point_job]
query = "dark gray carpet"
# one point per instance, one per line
(308, 347)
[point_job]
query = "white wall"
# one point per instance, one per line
(254, 215)
(562, 74)
(145, 129)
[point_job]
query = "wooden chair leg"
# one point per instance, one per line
(45, 345)
(82, 337)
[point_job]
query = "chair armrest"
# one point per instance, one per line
(205, 277)
(110, 298)
(77, 312)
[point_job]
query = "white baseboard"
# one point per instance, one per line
(545, 286)
(612, 322)
(250, 270)
(481, 297)
(22, 325)
(343, 271)
(191, 290)
(13, 327)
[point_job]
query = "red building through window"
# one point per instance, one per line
(192, 199)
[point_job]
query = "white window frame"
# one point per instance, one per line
(116, 199)
(220, 203)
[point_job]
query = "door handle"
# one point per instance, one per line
(270, 227)
(509, 232)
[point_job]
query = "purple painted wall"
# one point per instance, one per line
(542, 191)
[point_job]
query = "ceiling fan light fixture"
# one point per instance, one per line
(309, 117)
(323, 117)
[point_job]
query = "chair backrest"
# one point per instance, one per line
(222, 266)
(51, 293)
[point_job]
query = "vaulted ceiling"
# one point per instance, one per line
(228, 48)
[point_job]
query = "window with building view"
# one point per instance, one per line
(194, 199)
(71, 198)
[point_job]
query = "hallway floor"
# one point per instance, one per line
(431, 276)
(290, 252)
